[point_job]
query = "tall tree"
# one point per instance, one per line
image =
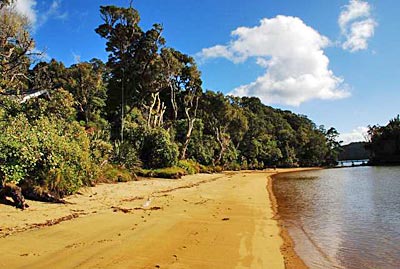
(16, 45)
(133, 60)
(333, 145)
(122, 31)
(184, 84)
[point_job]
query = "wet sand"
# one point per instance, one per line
(201, 221)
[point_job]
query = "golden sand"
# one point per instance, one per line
(201, 221)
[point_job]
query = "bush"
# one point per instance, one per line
(234, 166)
(190, 166)
(158, 151)
(218, 169)
(112, 173)
(169, 173)
(126, 155)
(49, 152)
(210, 169)
(244, 165)
(101, 150)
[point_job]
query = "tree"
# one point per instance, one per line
(384, 142)
(87, 85)
(15, 48)
(333, 145)
(48, 76)
(134, 62)
(220, 119)
(185, 90)
(122, 31)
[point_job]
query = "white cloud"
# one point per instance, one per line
(52, 12)
(27, 9)
(297, 68)
(354, 10)
(357, 135)
(216, 52)
(357, 25)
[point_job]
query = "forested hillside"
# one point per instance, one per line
(354, 151)
(143, 112)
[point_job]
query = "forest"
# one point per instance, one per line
(143, 112)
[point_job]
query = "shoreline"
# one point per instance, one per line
(291, 259)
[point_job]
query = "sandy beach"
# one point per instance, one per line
(201, 221)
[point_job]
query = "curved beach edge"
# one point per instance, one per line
(291, 259)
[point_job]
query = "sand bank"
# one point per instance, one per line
(202, 221)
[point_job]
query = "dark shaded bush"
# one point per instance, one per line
(158, 151)
(125, 154)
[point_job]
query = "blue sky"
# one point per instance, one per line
(302, 56)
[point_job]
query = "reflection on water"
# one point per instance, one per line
(343, 218)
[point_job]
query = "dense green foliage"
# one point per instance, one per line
(48, 152)
(384, 142)
(144, 112)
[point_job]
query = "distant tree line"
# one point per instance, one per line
(142, 111)
(384, 143)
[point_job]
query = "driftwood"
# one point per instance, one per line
(15, 193)
(28, 191)
(37, 193)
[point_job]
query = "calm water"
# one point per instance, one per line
(343, 218)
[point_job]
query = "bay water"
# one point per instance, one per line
(344, 217)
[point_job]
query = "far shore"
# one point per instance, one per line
(223, 220)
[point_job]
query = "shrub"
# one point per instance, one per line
(101, 150)
(234, 166)
(49, 152)
(218, 169)
(190, 166)
(126, 155)
(112, 173)
(244, 165)
(158, 151)
(209, 169)
(169, 173)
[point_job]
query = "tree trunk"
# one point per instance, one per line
(173, 101)
(190, 121)
(156, 112)
(187, 140)
(221, 143)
